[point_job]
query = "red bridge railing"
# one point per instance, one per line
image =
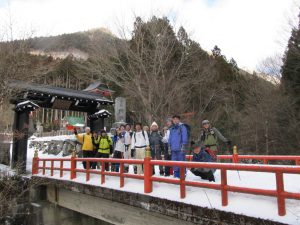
(42, 164)
(236, 158)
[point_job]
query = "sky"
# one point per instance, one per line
(246, 30)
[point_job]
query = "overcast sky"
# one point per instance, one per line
(247, 30)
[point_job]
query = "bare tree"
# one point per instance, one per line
(156, 68)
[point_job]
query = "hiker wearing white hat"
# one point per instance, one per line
(156, 145)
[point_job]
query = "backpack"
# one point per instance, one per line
(143, 132)
(131, 133)
(188, 129)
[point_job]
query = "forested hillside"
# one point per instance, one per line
(161, 72)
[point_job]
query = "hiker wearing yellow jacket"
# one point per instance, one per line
(104, 145)
(87, 148)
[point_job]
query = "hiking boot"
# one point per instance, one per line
(211, 177)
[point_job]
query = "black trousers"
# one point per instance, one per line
(88, 154)
(103, 155)
(156, 154)
(205, 175)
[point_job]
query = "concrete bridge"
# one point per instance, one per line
(127, 208)
(144, 199)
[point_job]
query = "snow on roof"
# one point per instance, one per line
(100, 114)
(32, 137)
(27, 103)
(103, 111)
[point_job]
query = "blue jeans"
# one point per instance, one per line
(177, 156)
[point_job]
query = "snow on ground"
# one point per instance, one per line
(250, 205)
(53, 138)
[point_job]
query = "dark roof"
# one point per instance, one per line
(46, 96)
(59, 91)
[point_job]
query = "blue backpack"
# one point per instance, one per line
(188, 129)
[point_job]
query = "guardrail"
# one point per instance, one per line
(148, 164)
(236, 158)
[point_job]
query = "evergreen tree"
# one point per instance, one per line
(291, 67)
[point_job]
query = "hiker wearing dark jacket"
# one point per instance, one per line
(209, 137)
(156, 145)
(201, 155)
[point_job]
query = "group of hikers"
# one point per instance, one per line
(172, 143)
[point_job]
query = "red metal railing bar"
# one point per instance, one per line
(203, 185)
(254, 191)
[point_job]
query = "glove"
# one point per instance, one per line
(75, 131)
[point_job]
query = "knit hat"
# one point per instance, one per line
(154, 124)
(205, 122)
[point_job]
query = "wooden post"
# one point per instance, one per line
(224, 192)
(280, 196)
(235, 156)
(35, 163)
(61, 172)
(73, 165)
(20, 140)
(44, 165)
(52, 165)
(182, 182)
(121, 175)
(87, 171)
(147, 171)
(102, 172)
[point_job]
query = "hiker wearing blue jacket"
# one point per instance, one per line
(178, 142)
